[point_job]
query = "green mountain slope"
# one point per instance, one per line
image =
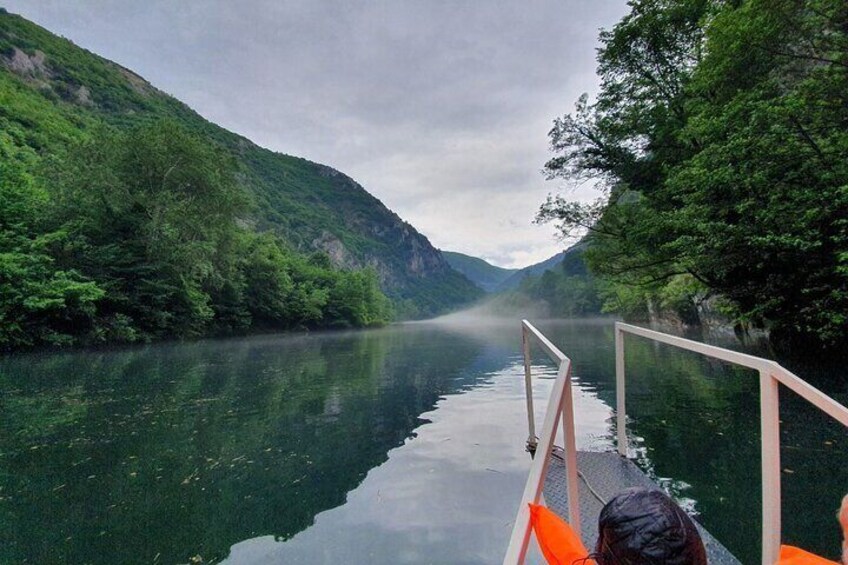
(512, 282)
(571, 260)
(483, 274)
(561, 286)
(53, 92)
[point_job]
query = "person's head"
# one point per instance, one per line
(646, 527)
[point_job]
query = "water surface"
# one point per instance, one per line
(399, 445)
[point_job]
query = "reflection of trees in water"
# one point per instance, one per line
(813, 455)
(698, 421)
(193, 447)
(179, 449)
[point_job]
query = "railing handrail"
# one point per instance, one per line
(552, 350)
(560, 404)
(716, 352)
(771, 374)
(786, 377)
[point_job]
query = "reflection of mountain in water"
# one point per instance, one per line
(189, 448)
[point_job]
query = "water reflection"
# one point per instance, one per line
(401, 445)
(185, 449)
(449, 495)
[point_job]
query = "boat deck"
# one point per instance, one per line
(601, 476)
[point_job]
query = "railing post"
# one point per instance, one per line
(528, 390)
(620, 414)
(569, 436)
(770, 430)
(521, 530)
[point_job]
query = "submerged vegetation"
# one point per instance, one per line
(720, 142)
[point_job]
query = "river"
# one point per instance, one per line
(398, 445)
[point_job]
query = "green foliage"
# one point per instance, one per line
(565, 295)
(426, 297)
(70, 94)
(355, 300)
(137, 236)
(125, 216)
(567, 290)
(39, 303)
(266, 274)
(149, 212)
(719, 140)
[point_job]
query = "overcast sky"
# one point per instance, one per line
(439, 109)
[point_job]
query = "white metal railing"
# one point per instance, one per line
(561, 404)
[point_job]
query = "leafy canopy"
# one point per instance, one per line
(719, 142)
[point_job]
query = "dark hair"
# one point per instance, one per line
(645, 527)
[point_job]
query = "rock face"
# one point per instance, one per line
(137, 83)
(23, 64)
(335, 249)
(83, 95)
(356, 230)
(312, 206)
(367, 234)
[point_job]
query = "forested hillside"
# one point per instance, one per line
(482, 273)
(126, 216)
(561, 286)
(550, 264)
(719, 140)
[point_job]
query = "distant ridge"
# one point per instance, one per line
(515, 279)
(573, 255)
(482, 273)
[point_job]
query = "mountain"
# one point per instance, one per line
(483, 274)
(53, 93)
(560, 287)
(537, 269)
(571, 261)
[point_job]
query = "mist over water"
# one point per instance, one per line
(494, 313)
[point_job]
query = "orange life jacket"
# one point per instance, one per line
(794, 556)
(561, 545)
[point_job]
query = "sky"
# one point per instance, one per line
(438, 108)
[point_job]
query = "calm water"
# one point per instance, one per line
(399, 445)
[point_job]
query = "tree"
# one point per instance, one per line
(38, 303)
(148, 212)
(766, 197)
(627, 141)
(719, 140)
